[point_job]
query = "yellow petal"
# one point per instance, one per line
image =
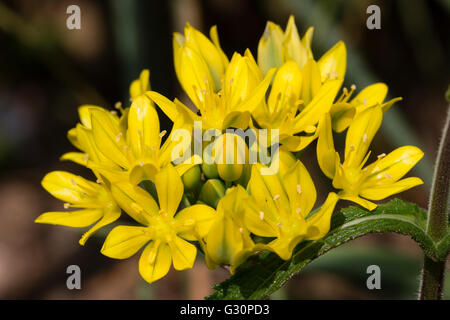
(387, 105)
(171, 109)
(75, 219)
(139, 173)
(300, 188)
(143, 127)
(341, 115)
(257, 95)
(383, 191)
(283, 247)
(265, 227)
(392, 167)
(333, 63)
(286, 87)
(108, 138)
(155, 261)
(170, 189)
(371, 95)
(124, 241)
(207, 50)
(72, 188)
(202, 217)
(362, 202)
(326, 154)
(194, 75)
(269, 47)
(77, 157)
(109, 216)
(141, 85)
(136, 202)
(237, 119)
(268, 190)
(183, 253)
(360, 134)
(293, 48)
(215, 39)
(319, 223)
(320, 104)
(311, 81)
(306, 41)
(240, 80)
(84, 113)
(223, 241)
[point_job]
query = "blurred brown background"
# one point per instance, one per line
(47, 71)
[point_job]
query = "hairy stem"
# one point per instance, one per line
(437, 224)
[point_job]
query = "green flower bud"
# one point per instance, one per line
(192, 178)
(212, 191)
(231, 155)
(210, 170)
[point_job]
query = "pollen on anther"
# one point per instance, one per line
(141, 163)
(352, 147)
(66, 205)
(364, 137)
(241, 230)
(277, 196)
(299, 189)
(381, 156)
(99, 180)
(353, 87)
(118, 105)
(118, 136)
(162, 133)
(86, 157)
(387, 175)
(261, 215)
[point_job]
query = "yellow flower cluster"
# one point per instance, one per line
(229, 210)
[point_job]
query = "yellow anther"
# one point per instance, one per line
(66, 205)
(387, 175)
(299, 189)
(381, 156)
(162, 133)
(261, 215)
(119, 135)
(277, 196)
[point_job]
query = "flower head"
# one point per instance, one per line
(376, 181)
(279, 207)
(93, 199)
(164, 233)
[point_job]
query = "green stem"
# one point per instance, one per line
(437, 224)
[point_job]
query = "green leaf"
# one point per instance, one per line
(263, 274)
